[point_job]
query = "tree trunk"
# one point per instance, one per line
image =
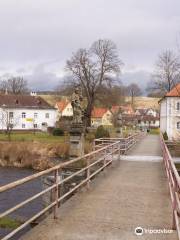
(88, 114)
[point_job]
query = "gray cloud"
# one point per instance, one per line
(43, 31)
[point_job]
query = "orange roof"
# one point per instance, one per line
(123, 108)
(115, 109)
(175, 92)
(98, 112)
(62, 105)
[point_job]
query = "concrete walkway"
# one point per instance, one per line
(129, 194)
(149, 146)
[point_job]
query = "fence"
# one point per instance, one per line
(93, 163)
(174, 184)
(125, 143)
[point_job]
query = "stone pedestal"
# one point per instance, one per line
(119, 133)
(76, 140)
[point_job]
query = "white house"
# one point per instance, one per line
(101, 116)
(25, 112)
(147, 112)
(148, 121)
(64, 109)
(170, 113)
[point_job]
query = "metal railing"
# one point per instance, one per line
(94, 163)
(125, 143)
(174, 184)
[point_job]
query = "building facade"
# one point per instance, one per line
(101, 116)
(170, 113)
(24, 112)
(64, 109)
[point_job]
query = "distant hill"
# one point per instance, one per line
(144, 102)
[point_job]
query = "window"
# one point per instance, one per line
(47, 115)
(35, 125)
(23, 125)
(35, 115)
(11, 114)
(178, 105)
(23, 115)
(178, 125)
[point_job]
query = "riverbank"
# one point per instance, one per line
(33, 155)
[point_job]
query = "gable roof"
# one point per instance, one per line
(175, 92)
(98, 112)
(124, 108)
(23, 101)
(62, 105)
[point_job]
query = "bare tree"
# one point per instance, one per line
(93, 68)
(133, 90)
(166, 73)
(14, 85)
(8, 121)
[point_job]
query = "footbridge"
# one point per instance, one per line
(130, 190)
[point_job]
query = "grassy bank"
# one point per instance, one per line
(38, 136)
(7, 222)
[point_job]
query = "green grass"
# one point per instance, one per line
(155, 131)
(7, 222)
(38, 136)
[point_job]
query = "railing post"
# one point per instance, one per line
(56, 195)
(88, 173)
(174, 203)
(119, 155)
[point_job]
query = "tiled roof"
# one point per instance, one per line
(175, 92)
(98, 112)
(62, 105)
(127, 108)
(23, 101)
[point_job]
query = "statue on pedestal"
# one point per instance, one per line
(76, 103)
(77, 126)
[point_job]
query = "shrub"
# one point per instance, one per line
(90, 137)
(58, 132)
(101, 132)
(165, 136)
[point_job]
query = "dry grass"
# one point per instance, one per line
(145, 102)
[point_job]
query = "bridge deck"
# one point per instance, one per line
(127, 195)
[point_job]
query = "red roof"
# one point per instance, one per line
(98, 112)
(62, 105)
(175, 92)
(126, 108)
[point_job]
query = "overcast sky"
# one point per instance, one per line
(38, 36)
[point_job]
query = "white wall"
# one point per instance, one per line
(169, 116)
(29, 119)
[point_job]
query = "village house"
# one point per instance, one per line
(64, 109)
(147, 112)
(147, 122)
(124, 109)
(170, 113)
(101, 116)
(25, 112)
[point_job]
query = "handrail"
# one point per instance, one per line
(104, 155)
(174, 184)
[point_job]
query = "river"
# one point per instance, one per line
(12, 197)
